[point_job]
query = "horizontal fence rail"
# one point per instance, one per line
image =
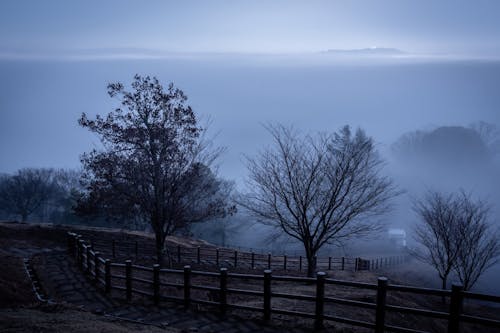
(187, 287)
(243, 259)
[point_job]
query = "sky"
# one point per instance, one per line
(242, 64)
(258, 26)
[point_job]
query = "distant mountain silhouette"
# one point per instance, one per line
(366, 51)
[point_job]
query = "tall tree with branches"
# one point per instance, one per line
(155, 162)
(318, 189)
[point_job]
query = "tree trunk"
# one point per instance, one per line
(443, 283)
(159, 242)
(311, 266)
(24, 217)
(443, 286)
(311, 261)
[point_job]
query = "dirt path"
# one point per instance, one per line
(63, 282)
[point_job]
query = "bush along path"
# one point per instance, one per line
(64, 282)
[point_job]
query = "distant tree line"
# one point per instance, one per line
(40, 194)
(477, 143)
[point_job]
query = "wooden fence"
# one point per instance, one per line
(150, 282)
(243, 259)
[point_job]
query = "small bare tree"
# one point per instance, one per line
(318, 189)
(437, 233)
(480, 248)
(456, 236)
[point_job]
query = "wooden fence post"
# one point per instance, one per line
(113, 248)
(380, 307)
(77, 249)
(75, 245)
(456, 302)
(284, 262)
(329, 263)
(217, 257)
(96, 267)
(267, 294)
(68, 239)
(198, 255)
(187, 286)
(107, 276)
(320, 300)
(235, 259)
(269, 261)
(178, 254)
(223, 291)
(343, 263)
(82, 263)
(136, 249)
(300, 263)
(128, 279)
(253, 260)
(87, 254)
(156, 284)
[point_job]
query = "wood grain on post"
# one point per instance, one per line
(380, 306)
(223, 291)
(187, 286)
(267, 294)
(456, 303)
(156, 284)
(320, 300)
(96, 267)
(128, 279)
(107, 276)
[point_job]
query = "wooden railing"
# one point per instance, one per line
(186, 286)
(244, 259)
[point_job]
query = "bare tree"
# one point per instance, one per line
(26, 191)
(154, 163)
(456, 236)
(437, 232)
(318, 189)
(480, 248)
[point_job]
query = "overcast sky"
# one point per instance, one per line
(262, 26)
(40, 101)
